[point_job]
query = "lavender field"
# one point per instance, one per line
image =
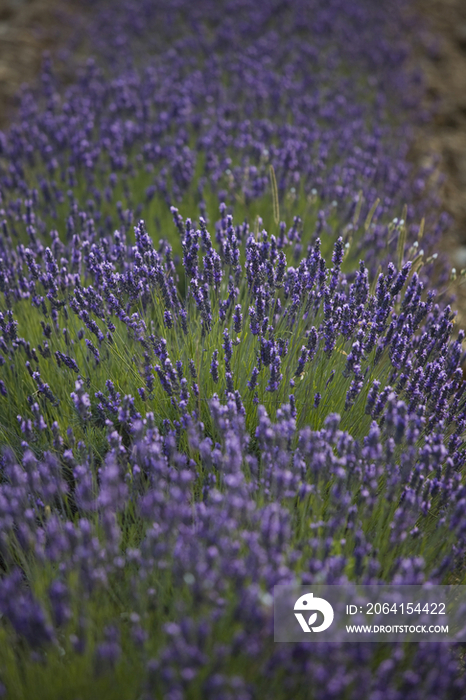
(228, 357)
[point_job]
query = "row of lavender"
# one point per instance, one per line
(213, 111)
(194, 412)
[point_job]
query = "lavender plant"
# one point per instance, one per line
(194, 412)
(209, 116)
(334, 416)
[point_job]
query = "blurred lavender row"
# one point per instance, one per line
(223, 364)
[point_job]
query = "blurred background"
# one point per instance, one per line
(30, 27)
(27, 29)
(440, 50)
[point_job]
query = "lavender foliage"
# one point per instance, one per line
(194, 410)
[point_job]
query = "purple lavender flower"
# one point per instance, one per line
(303, 358)
(67, 361)
(167, 319)
(81, 401)
(60, 602)
(252, 382)
(227, 348)
(165, 380)
(109, 651)
(94, 350)
(214, 366)
(238, 319)
(275, 374)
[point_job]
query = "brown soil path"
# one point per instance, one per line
(27, 29)
(441, 53)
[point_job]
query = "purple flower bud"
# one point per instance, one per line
(238, 319)
(214, 366)
(252, 383)
(81, 401)
(167, 319)
(304, 356)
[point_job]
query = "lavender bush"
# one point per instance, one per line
(193, 410)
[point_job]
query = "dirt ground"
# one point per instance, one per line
(27, 29)
(441, 54)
